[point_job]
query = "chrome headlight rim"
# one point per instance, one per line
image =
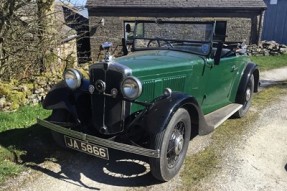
(75, 82)
(138, 84)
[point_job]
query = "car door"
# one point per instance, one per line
(218, 81)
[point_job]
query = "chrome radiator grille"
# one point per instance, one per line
(108, 112)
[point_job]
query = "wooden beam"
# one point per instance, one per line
(175, 12)
(254, 35)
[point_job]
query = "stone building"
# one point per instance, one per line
(239, 19)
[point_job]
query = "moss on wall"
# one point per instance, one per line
(15, 97)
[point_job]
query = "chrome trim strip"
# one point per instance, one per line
(123, 114)
(121, 68)
(99, 141)
(114, 66)
(97, 65)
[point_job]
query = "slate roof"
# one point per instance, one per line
(192, 4)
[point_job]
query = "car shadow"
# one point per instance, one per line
(36, 146)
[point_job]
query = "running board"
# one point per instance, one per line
(217, 117)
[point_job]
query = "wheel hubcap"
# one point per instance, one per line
(178, 143)
(248, 94)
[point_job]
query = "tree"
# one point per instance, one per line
(11, 28)
(29, 37)
(23, 36)
(46, 32)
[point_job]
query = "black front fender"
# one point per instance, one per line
(62, 97)
(57, 97)
(160, 113)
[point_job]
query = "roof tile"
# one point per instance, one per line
(177, 3)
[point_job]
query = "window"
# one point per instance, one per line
(129, 31)
(220, 31)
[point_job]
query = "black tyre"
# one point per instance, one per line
(173, 143)
(246, 99)
(59, 116)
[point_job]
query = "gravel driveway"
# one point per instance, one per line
(257, 163)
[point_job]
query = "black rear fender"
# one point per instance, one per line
(251, 69)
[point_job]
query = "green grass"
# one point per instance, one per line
(17, 131)
(24, 117)
(270, 62)
(201, 165)
(9, 169)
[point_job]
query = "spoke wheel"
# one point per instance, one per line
(173, 143)
(247, 97)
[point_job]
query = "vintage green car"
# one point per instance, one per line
(175, 84)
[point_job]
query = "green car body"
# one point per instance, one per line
(191, 74)
(154, 100)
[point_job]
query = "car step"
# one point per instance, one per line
(217, 117)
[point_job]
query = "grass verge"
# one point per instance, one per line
(201, 165)
(17, 130)
(270, 62)
(24, 117)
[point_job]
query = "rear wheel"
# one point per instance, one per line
(173, 143)
(246, 99)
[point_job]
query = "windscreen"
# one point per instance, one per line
(185, 36)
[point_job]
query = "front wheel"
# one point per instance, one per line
(246, 99)
(173, 143)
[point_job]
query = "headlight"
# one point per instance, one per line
(131, 88)
(73, 78)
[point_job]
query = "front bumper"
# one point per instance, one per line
(99, 141)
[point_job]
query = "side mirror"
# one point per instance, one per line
(218, 53)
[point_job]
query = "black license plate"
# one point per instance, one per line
(86, 147)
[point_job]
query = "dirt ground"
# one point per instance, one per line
(258, 162)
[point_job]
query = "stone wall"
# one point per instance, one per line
(267, 48)
(67, 55)
(15, 94)
(238, 29)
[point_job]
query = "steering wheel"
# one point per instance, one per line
(230, 52)
(166, 42)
